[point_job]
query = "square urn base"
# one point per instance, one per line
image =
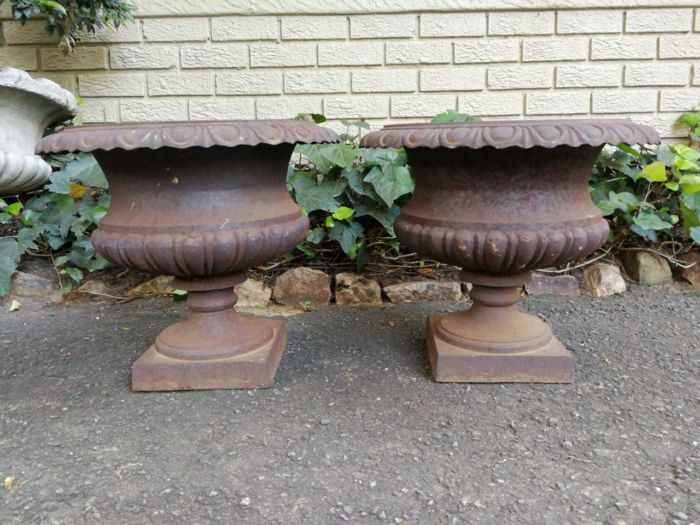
(457, 364)
(256, 368)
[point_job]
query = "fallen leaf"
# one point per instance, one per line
(9, 483)
(15, 305)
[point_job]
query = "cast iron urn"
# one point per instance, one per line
(500, 199)
(203, 201)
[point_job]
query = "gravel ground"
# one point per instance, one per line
(354, 429)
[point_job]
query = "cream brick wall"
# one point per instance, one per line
(383, 61)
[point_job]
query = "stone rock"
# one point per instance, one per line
(647, 268)
(423, 291)
(28, 285)
(692, 274)
(356, 289)
(303, 287)
(157, 286)
(94, 287)
(603, 280)
(553, 285)
(271, 310)
(252, 294)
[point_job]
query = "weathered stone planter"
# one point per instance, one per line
(27, 107)
(501, 199)
(203, 202)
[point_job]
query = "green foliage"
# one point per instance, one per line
(57, 221)
(346, 190)
(71, 18)
(648, 196)
(451, 115)
(692, 120)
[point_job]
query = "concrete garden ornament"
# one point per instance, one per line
(203, 201)
(501, 199)
(27, 107)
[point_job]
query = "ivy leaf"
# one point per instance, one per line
(686, 165)
(8, 266)
(384, 216)
(73, 273)
(650, 221)
(390, 183)
(654, 172)
(695, 234)
(451, 115)
(25, 239)
(649, 235)
(60, 183)
(322, 196)
(346, 234)
(606, 207)
(14, 209)
(306, 249)
(343, 212)
(340, 155)
(316, 235)
(685, 152)
(86, 170)
(313, 152)
(690, 184)
(629, 150)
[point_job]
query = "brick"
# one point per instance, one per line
(314, 27)
(421, 105)
(152, 110)
(597, 75)
(659, 20)
(317, 82)
(229, 28)
(282, 55)
(487, 50)
(221, 108)
(112, 85)
(216, 56)
(455, 78)
(696, 75)
(53, 59)
(384, 81)
(656, 74)
(684, 46)
(176, 30)
(679, 99)
(521, 23)
(383, 26)
(350, 54)
(626, 101)
(128, 32)
(492, 104)
(180, 83)
(65, 80)
(249, 83)
(32, 32)
(143, 57)
(5, 11)
(452, 24)
(555, 49)
(623, 47)
(562, 103)
(19, 57)
(99, 110)
(595, 21)
(356, 107)
(420, 52)
(520, 77)
(287, 107)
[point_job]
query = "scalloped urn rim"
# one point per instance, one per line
(501, 134)
(185, 134)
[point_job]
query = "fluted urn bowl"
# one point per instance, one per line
(500, 199)
(203, 201)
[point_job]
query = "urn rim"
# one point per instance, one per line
(502, 134)
(50, 91)
(184, 134)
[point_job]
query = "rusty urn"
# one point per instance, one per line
(203, 201)
(500, 199)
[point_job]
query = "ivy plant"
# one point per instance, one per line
(57, 221)
(345, 188)
(72, 18)
(647, 196)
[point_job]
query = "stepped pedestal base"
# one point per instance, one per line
(215, 348)
(493, 342)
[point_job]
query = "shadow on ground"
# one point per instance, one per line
(354, 429)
